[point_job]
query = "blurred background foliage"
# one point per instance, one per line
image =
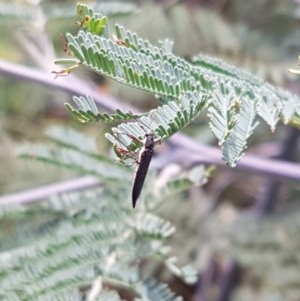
(222, 221)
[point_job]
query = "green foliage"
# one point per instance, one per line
(24, 13)
(157, 292)
(77, 246)
(91, 238)
(235, 98)
(222, 113)
(87, 111)
(95, 23)
(77, 152)
(164, 121)
(236, 142)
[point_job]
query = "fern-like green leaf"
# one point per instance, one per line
(131, 60)
(96, 239)
(269, 107)
(156, 292)
(94, 234)
(76, 152)
(222, 112)
(220, 68)
(143, 66)
(87, 111)
(235, 144)
(93, 22)
(290, 105)
(187, 273)
(164, 121)
(154, 227)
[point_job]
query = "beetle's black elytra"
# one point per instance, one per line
(144, 160)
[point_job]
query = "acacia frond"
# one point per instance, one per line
(154, 291)
(234, 146)
(134, 61)
(269, 106)
(92, 234)
(164, 121)
(77, 152)
(87, 111)
(93, 22)
(222, 112)
(96, 235)
(96, 238)
(151, 223)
